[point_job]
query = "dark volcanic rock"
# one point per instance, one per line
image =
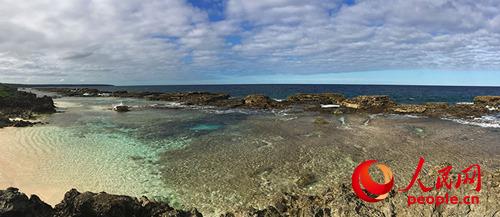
(88, 204)
(16, 204)
(120, 93)
(321, 98)
(126, 94)
(22, 123)
(22, 104)
(75, 204)
(88, 92)
(4, 122)
(43, 104)
(121, 108)
(339, 200)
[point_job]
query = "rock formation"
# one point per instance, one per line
(409, 109)
(321, 98)
(16, 204)
(487, 100)
(260, 101)
(339, 200)
(309, 102)
(75, 204)
(18, 104)
(371, 104)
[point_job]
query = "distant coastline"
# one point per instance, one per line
(59, 85)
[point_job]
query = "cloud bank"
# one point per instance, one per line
(199, 41)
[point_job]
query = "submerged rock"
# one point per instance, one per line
(320, 121)
(339, 201)
(306, 179)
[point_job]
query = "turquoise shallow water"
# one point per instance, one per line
(89, 147)
(207, 127)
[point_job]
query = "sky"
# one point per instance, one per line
(132, 42)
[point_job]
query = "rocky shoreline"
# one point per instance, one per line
(336, 201)
(75, 204)
(333, 103)
(16, 107)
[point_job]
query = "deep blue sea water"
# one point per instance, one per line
(400, 93)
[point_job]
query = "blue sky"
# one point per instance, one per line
(437, 42)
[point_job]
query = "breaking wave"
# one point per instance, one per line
(490, 121)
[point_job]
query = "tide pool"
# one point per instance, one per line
(91, 148)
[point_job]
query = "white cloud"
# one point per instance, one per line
(377, 35)
(172, 41)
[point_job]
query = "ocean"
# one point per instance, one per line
(400, 93)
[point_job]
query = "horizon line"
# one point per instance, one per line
(228, 84)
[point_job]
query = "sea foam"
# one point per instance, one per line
(489, 121)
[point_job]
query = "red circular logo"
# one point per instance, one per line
(361, 180)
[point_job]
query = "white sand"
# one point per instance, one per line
(19, 167)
